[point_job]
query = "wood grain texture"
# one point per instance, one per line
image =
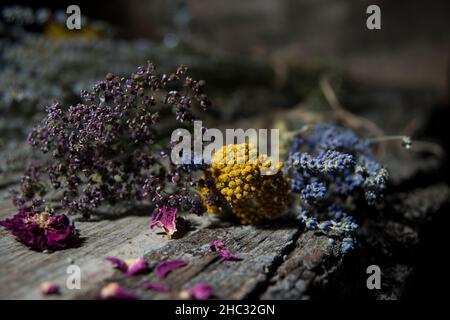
(280, 259)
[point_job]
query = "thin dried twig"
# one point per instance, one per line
(360, 123)
(349, 119)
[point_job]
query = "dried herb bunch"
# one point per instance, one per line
(111, 146)
(334, 171)
(235, 184)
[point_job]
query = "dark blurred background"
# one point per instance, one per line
(411, 49)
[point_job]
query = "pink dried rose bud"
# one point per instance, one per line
(164, 268)
(114, 291)
(130, 266)
(165, 218)
(48, 287)
(42, 231)
(155, 286)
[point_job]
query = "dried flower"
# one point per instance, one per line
(313, 192)
(42, 231)
(164, 268)
(114, 291)
(200, 291)
(130, 266)
(155, 286)
(217, 246)
(330, 168)
(49, 288)
(104, 150)
(235, 183)
(195, 164)
(165, 218)
(227, 255)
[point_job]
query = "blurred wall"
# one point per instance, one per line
(411, 50)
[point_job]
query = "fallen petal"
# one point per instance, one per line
(201, 291)
(138, 266)
(49, 288)
(163, 269)
(227, 255)
(114, 291)
(165, 218)
(155, 286)
(216, 245)
(119, 263)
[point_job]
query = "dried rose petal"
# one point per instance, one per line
(216, 245)
(41, 231)
(165, 218)
(119, 263)
(155, 286)
(137, 266)
(49, 288)
(227, 255)
(201, 291)
(163, 269)
(130, 266)
(114, 291)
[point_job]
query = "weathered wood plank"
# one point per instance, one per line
(279, 260)
(22, 270)
(389, 238)
(260, 248)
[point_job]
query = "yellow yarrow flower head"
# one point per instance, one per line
(235, 184)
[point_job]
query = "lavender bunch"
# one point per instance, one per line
(333, 170)
(110, 147)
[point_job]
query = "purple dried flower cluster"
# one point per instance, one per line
(109, 148)
(194, 164)
(42, 231)
(332, 168)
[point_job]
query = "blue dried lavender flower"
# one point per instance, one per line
(328, 168)
(313, 192)
(329, 137)
(348, 244)
(329, 162)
